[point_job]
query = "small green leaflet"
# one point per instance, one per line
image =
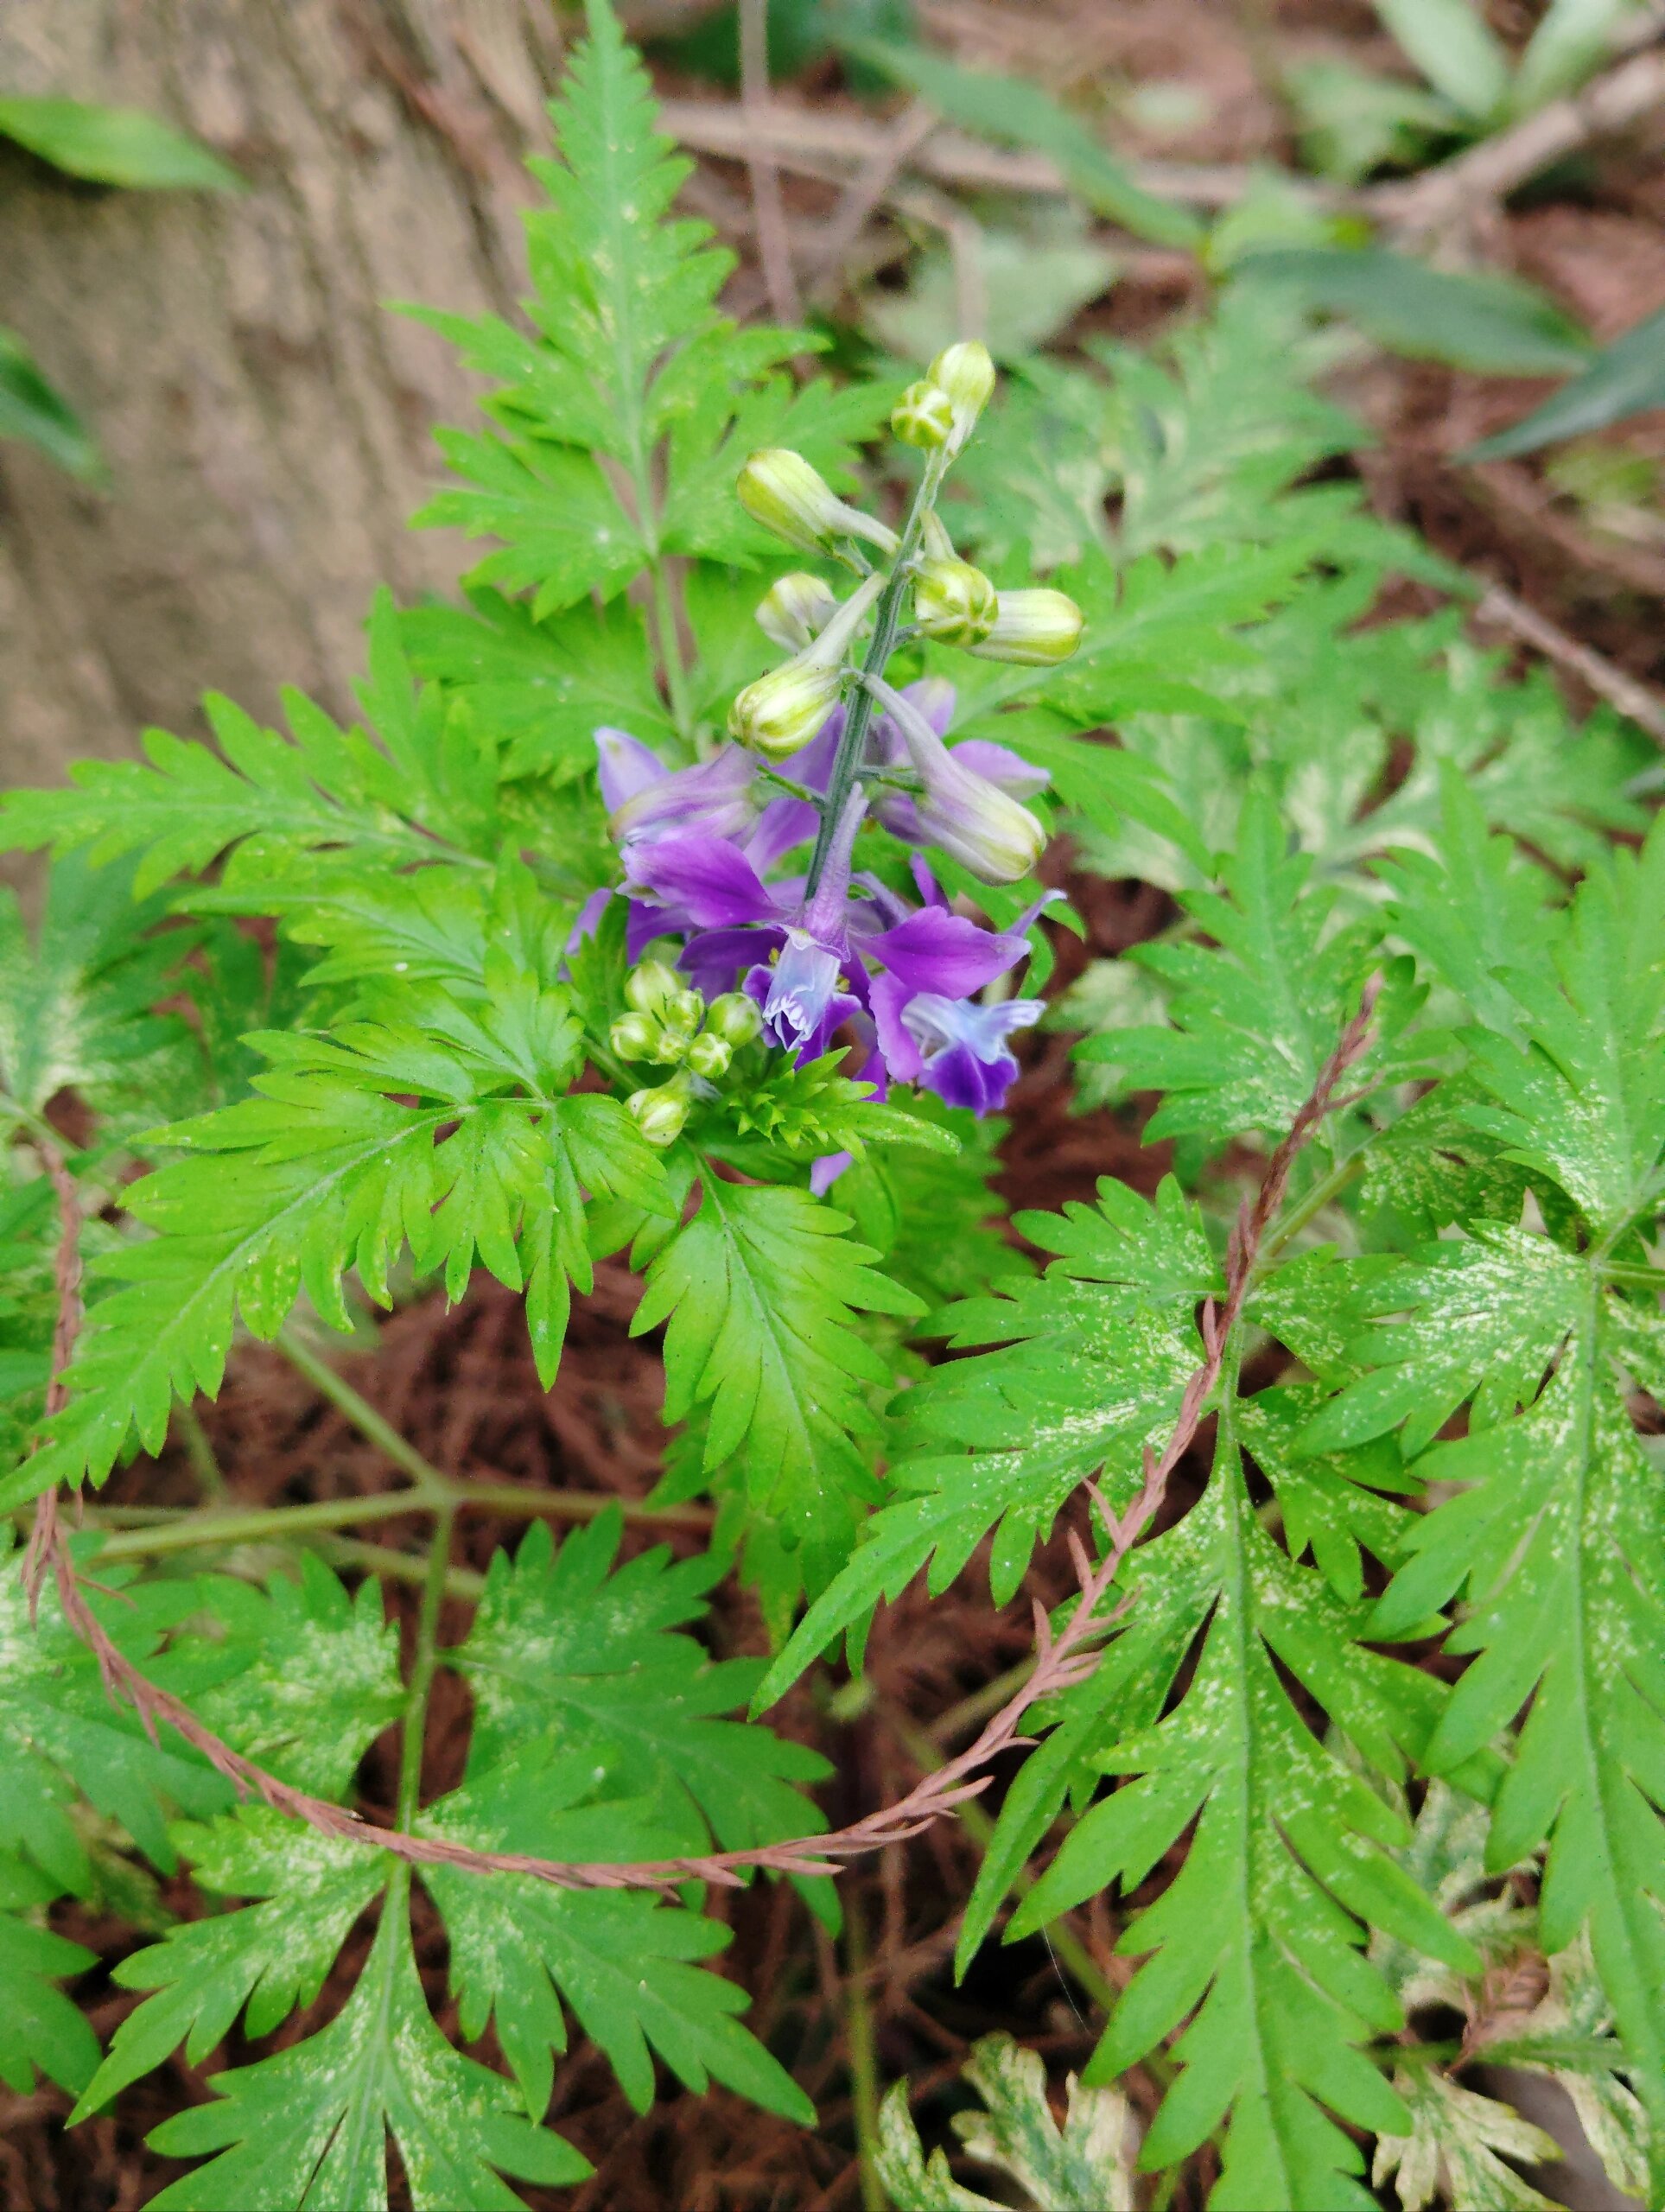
(1256, 1016)
(75, 1003)
(624, 1960)
(61, 1736)
(268, 1957)
(114, 145)
(1097, 1354)
(631, 362)
(414, 797)
(310, 2126)
(563, 1650)
(758, 1294)
(327, 1167)
(1085, 2166)
(543, 685)
(39, 2027)
(301, 1677)
(1259, 1935)
(1556, 1535)
(812, 1109)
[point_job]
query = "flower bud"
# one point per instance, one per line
(954, 602)
(659, 1113)
(651, 987)
(636, 1036)
(967, 814)
(966, 373)
(795, 610)
(1035, 628)
(684, 1015)
(924, 416)
(778, 488)
(779, 714)
(709, 1055)
(734, 1018)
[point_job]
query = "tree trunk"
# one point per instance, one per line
(265, 419)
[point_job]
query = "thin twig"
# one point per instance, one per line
(1488, 173)
(1604, 677)
(864, 193)
(810, 138)
(774, 250)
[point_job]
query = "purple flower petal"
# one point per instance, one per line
(1002, 766)
(720, 796)
(826, 1171)
(959, 1077)
(903, 1058)
(962, 1046)
(712, 959)
(935, 950)
(710, 881)
(588, 918)
(626, 766)
(643, 923)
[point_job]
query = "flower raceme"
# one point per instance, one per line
(746, 878)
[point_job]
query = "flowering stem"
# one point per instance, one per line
(886, 620)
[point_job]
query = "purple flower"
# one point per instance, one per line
(961, 1046)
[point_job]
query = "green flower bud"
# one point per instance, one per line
(779, 714)
(778, 488)
(734, 1018)
(650, 987)
(659, 1113)
(636, 1036)
(797, 609)
(924, 417)
(685, 1013)
(709, 1055)
(966, 373)
(954, 602)
(1035, 628)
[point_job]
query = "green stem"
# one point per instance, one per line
(671, 650)
(972, 1710)
(363, 1415)
(858, 711)
(1634, 1278)
(422, 1670)
(1304, 1210)
(190, 1532)
(461, 1582)
(864, 2057)
(201, 1453)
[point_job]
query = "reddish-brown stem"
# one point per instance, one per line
(1062, 1661)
